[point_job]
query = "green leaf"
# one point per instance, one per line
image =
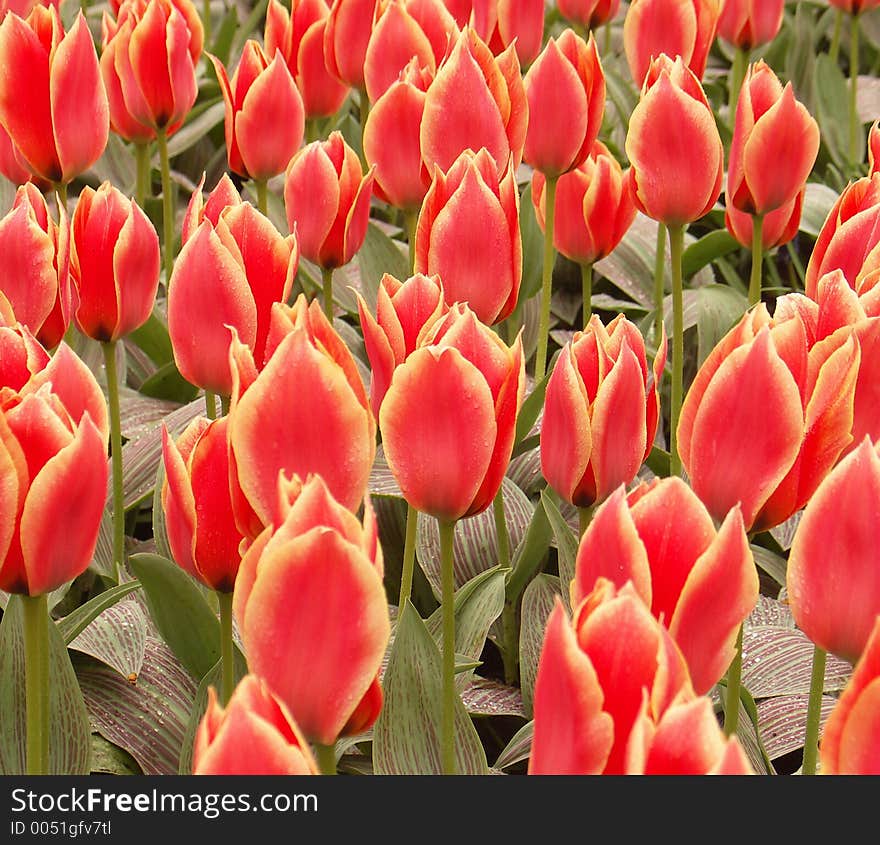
(832, 108)
(379, 255)
(774, 565)
(222, 47)
(707, 249)
(251, 22)
(69, 734)
(530, 554)
(531, 408)
(168, 383)
(532, 246)
(406, 737)
(74, 623)
(196, 128)
(518, 749)
(566, 541)
(658, 461)
(110, 759)
(180, 611)
(538, 601)
(818, 201)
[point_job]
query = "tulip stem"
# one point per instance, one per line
(737, 75)
(757, 259)
(36, 663)
(509, 624)
(676, 249)
(327, 278)
(854, 92)
(587, 290)
(206, 21)
(225, 402)
(659, 281)
(547, 278)
(142, 180)
(585, 517)
(115, 456)
(167, 205)
(262, 195)
(447, 602)
(364, 106)
(734, 682)
(409, 555)
(326, 757)
(61, 190)
(227, 656)
(411, 222)
(834, 49)
(814, 712)
(210, 405)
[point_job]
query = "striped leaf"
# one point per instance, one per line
(783, 722)
(72, 624)
(117, 637)
(537, 603)
(382, 481)
(566, 542)
(485, 697)
(518, 749)
(525, 471)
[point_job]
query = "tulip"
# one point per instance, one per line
(468, 234)
(327, 200)
(14, 168)
(254, 735)
(748, 24)
(476, 100)
(850, 735)
(346, 38)
(592, 674)
(519, 23)
(201, 208)
(261, 94)
(778, 227)
(228, 274)
(305, 412)
(50, 90)
(23, 8)
(311, 608)
(591, 14)
(36, 280)
(854, 7)
(601, 410)
(683, 28)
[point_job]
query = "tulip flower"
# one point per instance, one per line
(23, 8)
(346, 38)
(14, 168)
(778, 227)
(327, 200)
(254, 734)
(519, 23)
(209, 208)
(265, 120)
(476, 100)
(594, 209)
(747, 24)
(36, 279)
(851, 735)
(312, 612)
(228, 274)
(591, 14)
(600, 412)
(305, 412)
(592, 674)
(50, 90)
(683, 28)
(468, 234)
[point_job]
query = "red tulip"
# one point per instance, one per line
(833, 576)
(449, 417)
(254, 735)
(700, 582)
(312, 611)
(114, 263)
(327, 199)
(851, 735)
(683, 28)
(36, 279)
(391, 140)
(874, 148)
(475, 101)
(23, 8)
(778, 227)
(228, 274)
(600, 411)
(854, 7)
(265, 119)
(196, 501)
(199, 208)
(53, 451)
(14, 167)
(750, 23)
(565, 89)
(591, 14)
(482, 15)
(594, 206)
(52, 102)
(674, 146)
(520, 23)
(346, 37)
(468, 233)
(306, 412)
(405, 314)
(774, 146)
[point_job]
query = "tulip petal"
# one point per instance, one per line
(311, 198)
(179, 506)
(859, 748)
(136, 265)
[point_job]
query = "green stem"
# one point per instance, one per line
(585, 517)
(225, 402)
(327, 278)
(509, 623)
(607, 48)
(737, 75)
(36, 667)
(142, 182)
(326, 757)
(312, 129)
(447, 603)
(676, 249)
(61, 190)
(814, 712)
(757, 259)
(659, 281)
(734, 682)
(587, 290)
(364, 104)
(547, 277)
(834, 49)
(411, 222)
(116, 456)
(206, 20)
(853, 92)
(409, 555)
(167, 205)
(210, 405)
(262, 195)
(227, 655)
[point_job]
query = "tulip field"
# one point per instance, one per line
(439, 387)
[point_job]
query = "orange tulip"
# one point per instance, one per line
(683, 28)
(468, 233)
(700, 582)
(327, 199)
(674, 146)
(253, 735)
(53, 451)
(600, 411)
(778, 227)
(114, 263)
(851, 736)
(519, 23)
(591, 14)
(14, 167)
(53, 104)
(750, 23)
(565, 89)
(265, 119)
(833, 576)
(346, 37)
(36, 279)
(23, 8)
(312, 610)
(200, 208)
(475, 101)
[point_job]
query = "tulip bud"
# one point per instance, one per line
(854, 7)
(14, 167)
(23, 8)
(778, 227)
(199, 208)
(591, 14)
(346, 37)
(750, 23)
(254, 735)
(521, 24)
